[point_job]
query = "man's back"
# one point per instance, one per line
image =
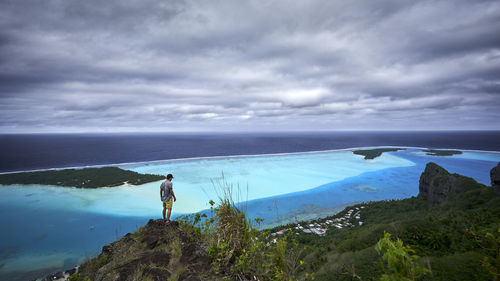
(166, 186)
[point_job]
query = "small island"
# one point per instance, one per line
(370, 154)
(436, 152)
(80, 178)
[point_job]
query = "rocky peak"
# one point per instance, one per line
(437, 184)
(157, 251)
(495, 178)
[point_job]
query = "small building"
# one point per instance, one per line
(318, 231)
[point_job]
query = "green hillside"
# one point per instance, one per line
(450, 238)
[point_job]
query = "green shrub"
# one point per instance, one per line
(492, 259)
(236, 248)
(400, 261)
(74, 277)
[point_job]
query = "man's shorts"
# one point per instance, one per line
(168, 204)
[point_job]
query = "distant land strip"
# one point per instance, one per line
(436, 152)
(374, 153)
(80, 178)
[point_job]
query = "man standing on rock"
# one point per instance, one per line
(166, 194)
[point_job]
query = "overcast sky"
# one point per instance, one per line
(223, 65)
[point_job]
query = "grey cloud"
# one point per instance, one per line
(130, 65)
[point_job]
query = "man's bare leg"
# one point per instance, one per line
(168, 214)
(164, 210)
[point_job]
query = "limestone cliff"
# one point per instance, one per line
(437, 184)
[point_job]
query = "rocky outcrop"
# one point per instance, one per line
(437, 184)
(495, 178)
(155, 252)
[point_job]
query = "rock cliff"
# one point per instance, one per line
(155, 252)
(437, 184)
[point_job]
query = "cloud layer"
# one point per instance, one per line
(143, 65)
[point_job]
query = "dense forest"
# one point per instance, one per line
(80, 178)
(437, 152)
(451, 239)
(370, 154)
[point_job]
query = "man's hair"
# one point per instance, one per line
(169, 176)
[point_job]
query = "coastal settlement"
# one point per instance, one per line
(319, 227)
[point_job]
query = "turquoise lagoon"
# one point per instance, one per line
(48, 228)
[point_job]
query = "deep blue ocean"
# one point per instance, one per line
(41, 151)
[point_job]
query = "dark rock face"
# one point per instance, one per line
(70, 271)
(437, 184)
(156, 252)
(495, 178)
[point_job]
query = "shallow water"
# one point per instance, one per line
(196, 182)
(49, 228)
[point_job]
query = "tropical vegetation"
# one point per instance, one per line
(80, 178)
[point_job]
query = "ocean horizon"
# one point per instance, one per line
(29, 152)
